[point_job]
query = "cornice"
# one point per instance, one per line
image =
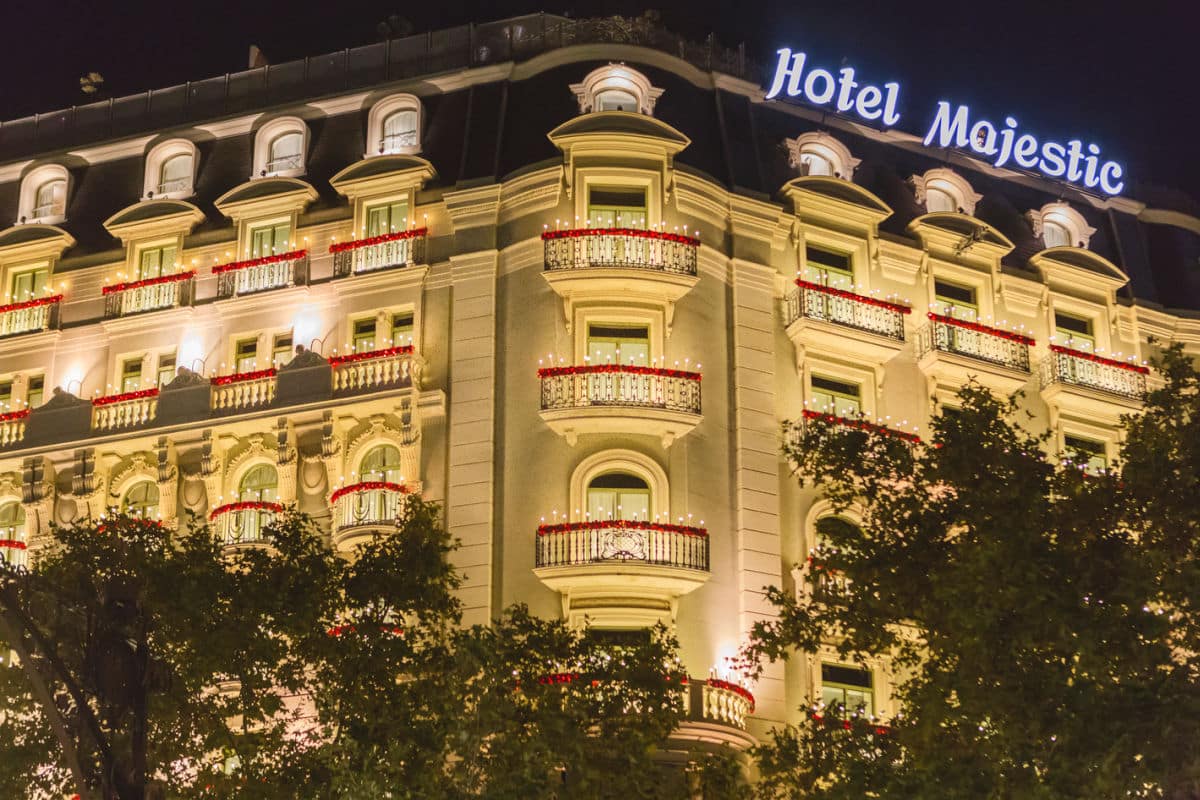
(473, 208)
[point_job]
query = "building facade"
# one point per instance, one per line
(568, 279)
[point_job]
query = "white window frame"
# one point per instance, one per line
(378, 116)
(156, 158)
(822, 144)
(35, 180)
(867, 379)
(948, 182)
(620, 77)
(627, 461)
(267, 135)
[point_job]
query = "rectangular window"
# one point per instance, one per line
(831, 396)
(29, 284)
(281, 349)
(37, 391)
(1088, 453)
(363, 337)
(270, 239)
(387, 218)
(1074, 332)
(618, 496)
(402, 329)
(6, 390)
(957, 301)
(131, 375)
(166, 369)
(616, 207)
(847, 690)
(153, 262)
(619, 344)
(827, 267)
(245, 355)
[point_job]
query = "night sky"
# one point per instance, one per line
(1125, 75)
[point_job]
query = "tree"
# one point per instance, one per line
(1040, 619)
(168, 665)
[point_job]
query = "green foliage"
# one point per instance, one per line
(1040, 622)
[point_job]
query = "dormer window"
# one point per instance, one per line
(1059, 225)
(394, 126)
(170, 170)
(939, 200)
(285, 153)
(818, 154)
(176, 175)
(279, 148)
(943, 190)
(44, 195)
(399, 131)
(1055, 234)
(616, 87)
(51, 199)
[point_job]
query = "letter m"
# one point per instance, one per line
(950, 131)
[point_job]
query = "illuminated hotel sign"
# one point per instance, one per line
(951, 127)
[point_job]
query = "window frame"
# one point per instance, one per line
(156, 160)
(377, 119)
(31, 183)
(264, 140)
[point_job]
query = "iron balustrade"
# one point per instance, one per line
(177, 185)
(245, 522)
(368, 503)
(1093, 372)
(622, 541)
(977, 342)
(395, 142)
(261, 277)
(152, 295)
(619, 248)
(277, 165)
(30, 316)
(620, 386)
(840, 307)
(357, 257)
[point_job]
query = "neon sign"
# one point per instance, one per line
(1074, 161)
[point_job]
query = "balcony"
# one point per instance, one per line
(621, 573)
(151, 294)
(715, 713)
(955, 351)
(363, 509)
(376, 370)
(614, 398)
(1089, 386)
(128, 410)
(243, 391)
(12, 427)
(389, 251)
(825, 318)
(244, 523)
(30, 316)
(262, 274)
(13, 552)
(810, 417)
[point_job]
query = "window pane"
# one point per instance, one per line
(616, 208)
(938, 200)
(36, 392)
(1055, 235)
(402, 329)
(131, 375)
(259, 484)
(616, 100)
(958, 301)
(618, 344)
(814, 164)
(382, 463)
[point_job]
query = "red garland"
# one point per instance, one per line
(596, 369)
(120, 287)
(258, 262)
(402, 350)
(337, 631)
(975, 326)
(109, 399)
(860, 424)
(12, 544)
(574, 233)
(1108, 362)
(41, 301)
(9, 416)
(415, 233)
(741, 691)
(858, 298)
(879, 730)
(246, 505)
(368, 486)
(558, 678)
(628, 524)
(238, 377)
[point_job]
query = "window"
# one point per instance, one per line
(819, 154)
(402, 328)
(846, 691)
(387, 218)
(43, 195)
(616, 208)
(166, 369)
(944, 190)
(1059, 225)
(831, 396)
(29, 284)
(6, 395)
(154, 262)
(399, 132)
(131, 375)
(381, 463)
(176, 175)
(616, 100)
(827, 577)
(619, 344)
(170, 170)
(245, 355)
(281, 349)
(1055, 235)
(1074, 332)
(50, 200)
(279, 148)
(12, 527)
(939, 200)
(957, 301)
(286, 153)
(268, 240)
(141, 500)
(616, 87)
(827, 268)
(35, 395)
(363, 335)
(259, 483)
(618, 495)
(1088, 453)
(394, 126)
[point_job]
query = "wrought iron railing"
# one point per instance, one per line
(1091, 371)
(395, 142)
(262, 274)
(367, 503)
(400, 249)
(116, 411)
(177, 185)
(825, 303)
(243, 390)
(980, 342)
(284, 163)
(12, 426)
(626, 248)
(45, 210)
(391, 368)
(619, 385)
(619, 541)
(244, 522)
(30, 316)
(152, 294)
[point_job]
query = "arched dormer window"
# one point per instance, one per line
(141, 500)
(170, 170)
(944, 190)
(381, 463)
(1059, 225)
(12, 533)
(616, 87)
(44, 195)
(819, 154)
(280, 147)
(394, 126)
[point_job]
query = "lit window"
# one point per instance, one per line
(1088, 453)
(6, 395)
(1074, 332)
(259, 483)
(268, 240)
(141, 500)
(827, 268)
(831, 396)
(166, 369)
(815, 164)
(36, 392)
(618, 344)
(1059, 225)
(944, 190)
(957, 301)
(245, 355)
(402, 328)
(176, 175)
(394, 126)
(381, 463)
(29, 284)
(50, 200)
(285, 153)
(282, 349)
(616, 207)
(618, 495)
(818, 154)
(387, 218)
(1055, 235)
(616, 87)
(939, 200)
(363, 335)
(154, 262)
(616, 100)
(846, 691)
(131, 375)
(399, 132)
(12, 527)
(43, 195)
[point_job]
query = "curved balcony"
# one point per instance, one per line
(614, 398)
(261, 274)
(30, 316)
(955, 351)
(244, 523)
(1089, 386)
(390, 368)
(715, 713)
(361, 510)
(12, 426)
(621, 573)
(825, 318)
(151, 294)
(389, 251)
(130, 409)
(243, 391)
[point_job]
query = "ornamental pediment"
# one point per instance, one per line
(384, 173)
(30, 242)
(266, 196)
(153, 218)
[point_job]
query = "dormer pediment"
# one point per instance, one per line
(264, 197)
(833, 201)
(960, 237)
(1068, 269)
(620, 133)
(383, 174)
(23, 243)
(151, 218)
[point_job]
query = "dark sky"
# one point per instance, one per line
(1125, 75)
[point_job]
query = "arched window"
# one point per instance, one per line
(176, 175)
(833, 536)
(616, 87)
(285, 153)
(939, 200)
(170, 170)
(259, 483)
(279, 148)
(399, 132)
(1055, 234)
(394, 126)
(616, 100)
(819, 154)
(43, 196)
(141, 500)
(12, 532)
(944, 190)
(1059, 225)
(51, 199)
(381, 463)
(618, 495)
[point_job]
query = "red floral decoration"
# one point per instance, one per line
(975, 326)
(368, 486)
(637, 233)
(626, 524)
(258, 262)
(402, 350)
(878, 730)
(598, 369)
(109, 399)
(120, 287)
(415, 233)
(41, 301)
(740, 691)
(860, 424)
(10, 416)
(1108, 362)
(12, 544)
(239, 377)
(858, 298)
(246, 505)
